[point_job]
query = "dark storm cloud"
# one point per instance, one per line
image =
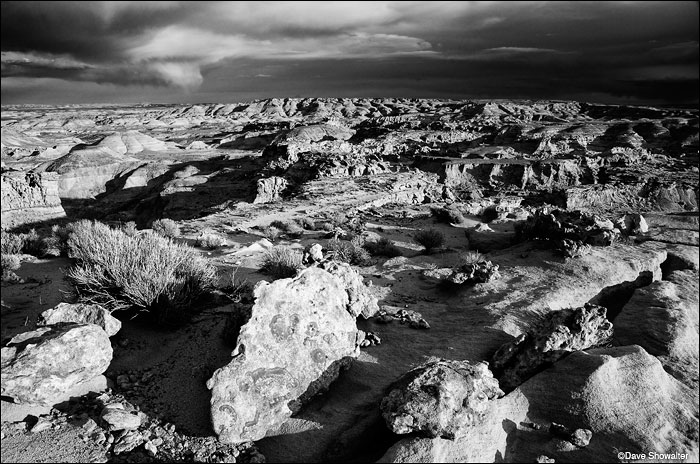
(222, 51)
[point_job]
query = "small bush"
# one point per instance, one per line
(326, 226)
(145, 271)
(9, 263)
(129, 228)
(430, 239)
(472, 257)
(292, 229)
(166, 228)
(10, 243)
(271, 233)
(382, 247)
(281, 262)
(33, 244)
(211, 240)
(238, 290)
(351, 252)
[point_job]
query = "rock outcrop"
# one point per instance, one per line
(560, 333)
(298, 337)
(43, 365)
(82, 314)
(440, 399)
(663, 319)
(270, 189)
(29, 197)
(470, 273)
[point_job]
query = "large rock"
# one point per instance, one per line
(361, 300)
(559, 334)
(82, 314)
(29, 197)
(42, 365)
(270, 189)
(471, 273)
(298, 337)
(440, 399)
(663, 319)
(621, 395)
(558, 225)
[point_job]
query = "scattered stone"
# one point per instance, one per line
(299, 336)
(128, 442)
(440, 398)
(82, 314)
(42, 365)
(559, 334)
(632, 224)
(40, 426)
(572, 248)
(313, 254)
(472, 273)
(151, 448)
(117, 417)
(543, 459)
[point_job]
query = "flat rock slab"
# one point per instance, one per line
(299, 334)
(41, 366)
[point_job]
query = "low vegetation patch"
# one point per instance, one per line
(383, 247)
(11, 244)
(237, 289)
(291, 228)
(166, 228)
(431, 239)
(282, 261)
(145, 271)
(349, 251)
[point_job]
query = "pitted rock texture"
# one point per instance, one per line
(559, 334)
(299, 335)
(82, 314)
(361, 301)
(29, 197)
(43, 365)
(440, 398)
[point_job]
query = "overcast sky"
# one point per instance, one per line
(88, 52)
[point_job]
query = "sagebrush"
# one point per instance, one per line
(383, 247)
(349, 251)
(431, 239)
(282, 261)
(144, 271)
(166, 227)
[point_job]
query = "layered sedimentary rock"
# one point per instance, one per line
(29, 197)
(270, 189)
(43, 365)
(440, 399)
(299, 335)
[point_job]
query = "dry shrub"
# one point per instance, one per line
(166, 228)
(383, 247)
(351, 252)
(282, 261)
(145, 271)
(430, 239)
